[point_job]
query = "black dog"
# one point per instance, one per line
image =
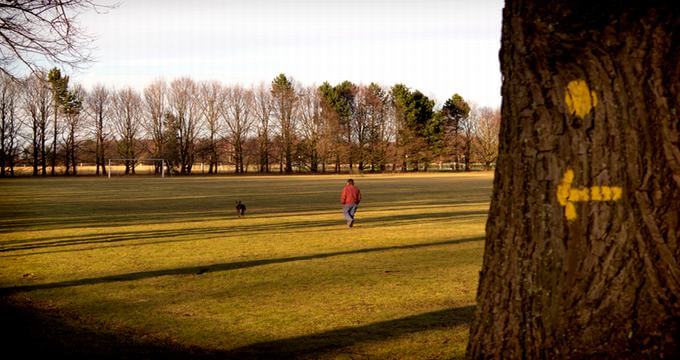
(240, 208)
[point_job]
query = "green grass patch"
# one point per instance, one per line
(166, 261)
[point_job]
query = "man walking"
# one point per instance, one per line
(350, 198)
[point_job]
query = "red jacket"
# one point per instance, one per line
(350, 195)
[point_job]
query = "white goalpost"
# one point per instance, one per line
(118, 166)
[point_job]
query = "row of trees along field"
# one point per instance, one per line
(50, 126)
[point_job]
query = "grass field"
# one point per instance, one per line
(163, 266)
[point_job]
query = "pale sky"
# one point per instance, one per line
(439, 47)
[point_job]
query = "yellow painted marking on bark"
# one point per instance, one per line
(579, 98)
(597, 193)
(567, 195)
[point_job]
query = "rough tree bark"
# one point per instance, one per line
(585, 266)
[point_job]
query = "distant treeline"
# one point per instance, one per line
(54, 125)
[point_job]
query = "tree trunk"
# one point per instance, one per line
(468, 155)
(289, 157)
(12, 161)
(583, 236)
(97, 155)
(67, 159)
(2, 148)
(314, 162)
(72, 149)
(264, 153)
(73, 161)
(54, 142)
(35, 149)
(43, 149)
(101, 162)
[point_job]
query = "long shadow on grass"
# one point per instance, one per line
(229, 231)
(198, 270)
(17, 222)
(104, 220)
(38, 334)
(335, 340)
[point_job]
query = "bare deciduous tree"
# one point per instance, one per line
(239, 120)
(311, 125)
(186, 113)
(37, 97)
(155, 105)
(98, 103)
(35, 32)
(467, 128)
(263, 107)
(127, 122)
(360, 127)
(9, 124)
(212, 102)
(486, 137)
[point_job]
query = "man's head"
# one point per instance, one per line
(350, 182)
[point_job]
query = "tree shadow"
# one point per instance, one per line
(299, 226)
(42, 334)
(16, 221)
(317, 344)
(198, 270)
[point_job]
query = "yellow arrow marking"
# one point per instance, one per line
(567, 195)
(579, 98)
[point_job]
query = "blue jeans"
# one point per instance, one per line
(349, 210)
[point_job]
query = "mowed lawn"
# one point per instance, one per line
(144, 265)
